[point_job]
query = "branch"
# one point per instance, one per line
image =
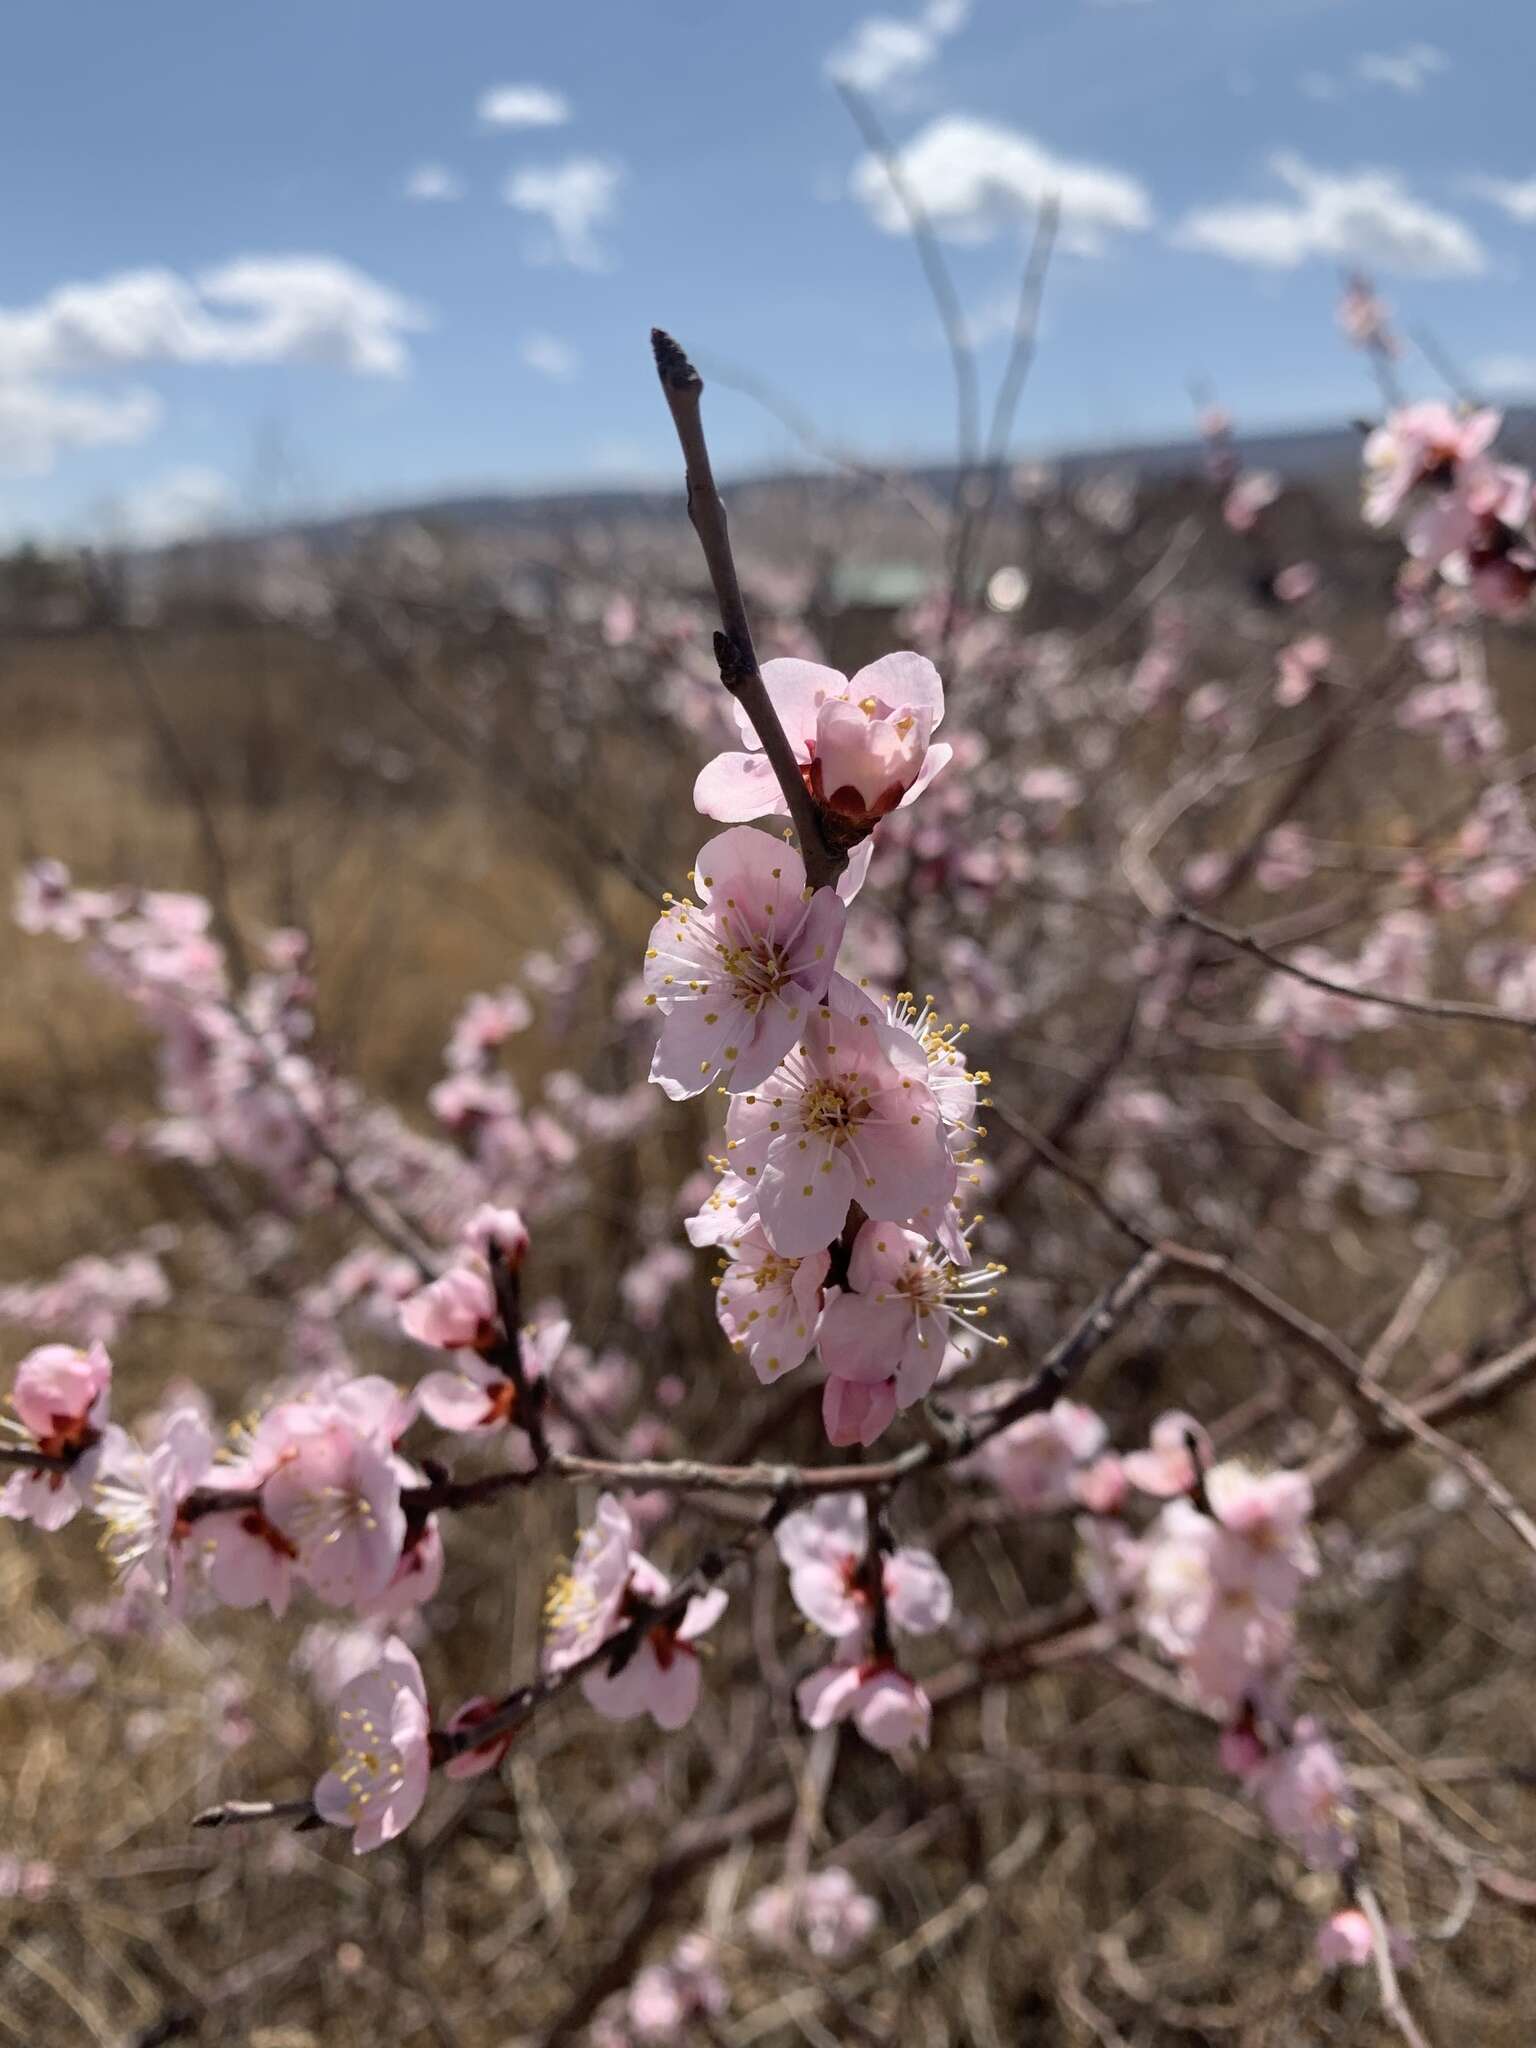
(1444, 1010)
(739, 672)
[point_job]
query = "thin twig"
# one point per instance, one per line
(1443, 1009)
(739, 672)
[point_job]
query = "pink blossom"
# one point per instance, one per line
(1251, 494)
(1345, 1940)
(849, 1116)
(1286, 859)
(1297, 582)
(768, 1306)
(500, 1229)
(857, 1411)
(863, 744)
(825, 1911)
(383, 1732)
(608, 1580)
(1102, 1486)
(138, 1496)
(30, 1878)
(476, 1397)
(416, 1579)
(648, 1284)
(457, 1311)
(825, 1548)
(903, 1300)
(61, 1397)
(726, 1214)
(1306, 1798)
(1301, 663)
(1416, 445)
(250, 1561)
(1364, 318)
(735, 975)
(1034, 1462)
(662, 1678)
(666, 1996)
(1167, 1468)
(336, 1497)
(583, 1606)
(890, 1710)
(484, 1023)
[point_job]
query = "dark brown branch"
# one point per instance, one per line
(684, 388)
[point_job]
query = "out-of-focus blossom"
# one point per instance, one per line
(825, 1912)
(825, 1548)
(335, 1495)
(890, 1710)
(1035, 1462)
(1305, 1794)
(608, 1578)
(61, 1397)
(138, 1495)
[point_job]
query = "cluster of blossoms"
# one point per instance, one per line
(858, 1590)
(1214, 1581)
(1464, 513)
(851, 1117)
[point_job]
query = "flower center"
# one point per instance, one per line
(831, 1110)
(757, 969)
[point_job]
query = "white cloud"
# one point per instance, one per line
(1405, 70)
(38, 423)
(183, 505)
(434, 182)
(257, 309)
(884, 54)
(1317, 85)
(312, 309)
(1367, 217)
(1508, 375)
(575, 198)
(1516, 196)
(523, 106)
(975, 179)
(550, 356)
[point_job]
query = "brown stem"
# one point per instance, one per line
(739, 672)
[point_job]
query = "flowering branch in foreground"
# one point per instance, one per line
(846, 1205)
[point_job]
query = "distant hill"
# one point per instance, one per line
(1323, 455)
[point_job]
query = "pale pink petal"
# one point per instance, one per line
(902, 679)
(737, 787)
(917, 1591)
(797, 689)
(828, 1694)
(853, 1412)
(823, 1595)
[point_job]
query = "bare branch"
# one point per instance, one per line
(1444, 1009)
(739, 672)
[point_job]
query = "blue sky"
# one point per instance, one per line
(327, 252)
